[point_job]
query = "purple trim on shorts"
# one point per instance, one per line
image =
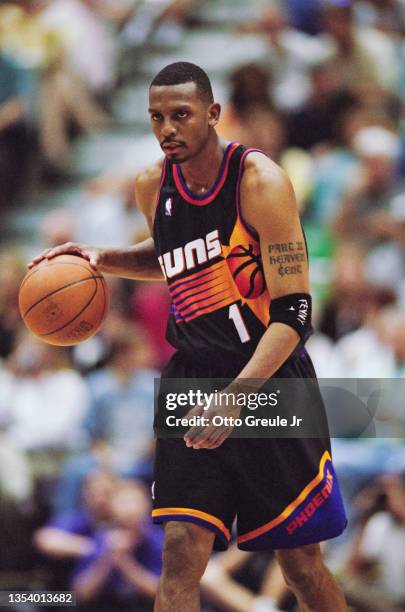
(221, 541)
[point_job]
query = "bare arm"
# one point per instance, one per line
(268, 205)
(348, 222)
(138, 262)
(61, 544)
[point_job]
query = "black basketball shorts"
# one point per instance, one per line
(283, 492)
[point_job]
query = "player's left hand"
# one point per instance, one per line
(211, 436)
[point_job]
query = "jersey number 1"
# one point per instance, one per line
(236, 316)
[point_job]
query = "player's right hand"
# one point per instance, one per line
(92, 254)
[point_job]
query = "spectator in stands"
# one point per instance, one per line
(89, 45)
(244, 582)
(150, 304)
(358, 55)
(368, 352)
(16, 478)
(305, 16)
(67, 494)
(14, 135)
(396, 334)
(336, 165)
(385, 15)
(291, 55)
(250, 86)
(50, 397)
(252, 119)
(69, 534)
(346, 307)
(316, 122)
(250, 116)
(160, 22)
(63, 97)
(57, 227)
(121, 410)
(123, 568)
(109, 215)
(11, 273)
(364, 213)
(381, 546)
(386, 262)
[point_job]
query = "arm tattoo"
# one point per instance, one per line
(288, 257)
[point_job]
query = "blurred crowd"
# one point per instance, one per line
(326, 101)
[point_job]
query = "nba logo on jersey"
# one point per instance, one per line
(168, 207)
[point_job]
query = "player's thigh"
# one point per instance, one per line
(187, 549)
(194, 486)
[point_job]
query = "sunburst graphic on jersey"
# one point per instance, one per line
(259, 300)
(245, 264)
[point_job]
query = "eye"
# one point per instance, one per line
(182, 114)
(156, 116)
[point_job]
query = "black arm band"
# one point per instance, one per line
(294, 310)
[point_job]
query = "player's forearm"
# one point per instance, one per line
(274, 348)
(138, 262)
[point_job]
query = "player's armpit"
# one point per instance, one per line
(268, 204)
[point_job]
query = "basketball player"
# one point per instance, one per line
(204, 201)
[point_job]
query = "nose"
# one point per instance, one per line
(168, 129)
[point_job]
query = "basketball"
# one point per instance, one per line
(63, 300)
(245, 265)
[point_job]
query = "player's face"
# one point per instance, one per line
(181, 120)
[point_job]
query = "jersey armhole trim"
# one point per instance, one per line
(162, 180)
(251, 230)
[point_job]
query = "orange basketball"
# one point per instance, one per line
(246, 268)
(63, 300)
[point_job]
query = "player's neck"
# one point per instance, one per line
(200, 173)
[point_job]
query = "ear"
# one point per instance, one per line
(214, 113)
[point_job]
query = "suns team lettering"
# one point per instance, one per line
(191, 255)
(312, 506)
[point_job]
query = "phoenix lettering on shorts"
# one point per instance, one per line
(312, 506)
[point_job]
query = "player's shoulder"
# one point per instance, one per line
(261, 171)
(147, 183)
(149, 177)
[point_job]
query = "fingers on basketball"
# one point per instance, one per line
(63, 300)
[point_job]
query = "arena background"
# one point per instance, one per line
(318, 85)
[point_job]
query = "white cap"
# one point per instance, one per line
(376, 141)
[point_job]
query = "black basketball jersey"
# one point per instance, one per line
(211, 260)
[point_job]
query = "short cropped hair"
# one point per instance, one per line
(185, 72)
